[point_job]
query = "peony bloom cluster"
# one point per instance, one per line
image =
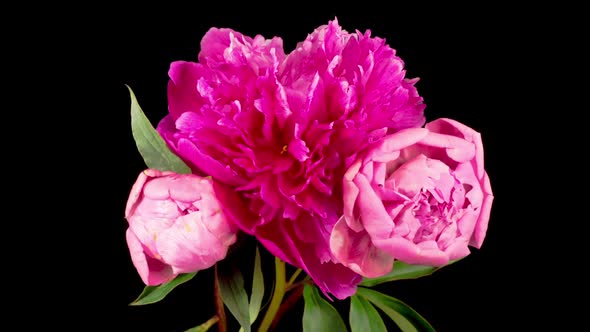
(325, 150)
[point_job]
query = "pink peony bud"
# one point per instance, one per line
(177, 224)
(421, 196)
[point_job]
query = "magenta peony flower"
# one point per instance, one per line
(421, 196)
(177, 224)
(283, 129)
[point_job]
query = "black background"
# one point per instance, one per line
(469, 61)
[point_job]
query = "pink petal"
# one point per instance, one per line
(457, 250)
(152, 272)
(484, 215)
(356, 251)
(136, 192)
(375, 219)
(350, 195)
(189, 246)
(396, 142)
(457, 149)
(417, 174)
(455, 128)
(424, 253)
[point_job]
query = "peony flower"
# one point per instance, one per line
(177, 224)
(283, 129)
(421, 196)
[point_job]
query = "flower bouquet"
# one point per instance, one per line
(322, 158)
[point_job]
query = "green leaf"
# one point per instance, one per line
(205, 326)
(231, 287)
(153, 294)
(406, 318)
(318, 314)
(364, 317)
(150, 144)
(257, 288)
(401, 271)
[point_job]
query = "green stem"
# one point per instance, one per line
(205, 326)
(293, 297)
(292, 279)
(277, 296)
(297, 284)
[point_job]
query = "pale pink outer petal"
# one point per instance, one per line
(481, 226)
(457, 148)
(137, 188)
(156, 219)
(355, 250)
(454, 128)
(466, 174)
(216, 220)
(395, 142)
(188, 246)
(466, 225)
(350, 195)
(177, 188)
(209, 198)
(375, 219)
(424, 253)
(457, 250)
(152, 271)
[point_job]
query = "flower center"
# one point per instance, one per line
(437, 219)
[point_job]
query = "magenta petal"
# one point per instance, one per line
(215, 42)
(235, 208)
(298, 149)
(332, 278)
(207, 164)
(182, 91)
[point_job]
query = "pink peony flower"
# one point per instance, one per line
(421, 196)
(283, 129)
(177, 224)
(213, 123)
